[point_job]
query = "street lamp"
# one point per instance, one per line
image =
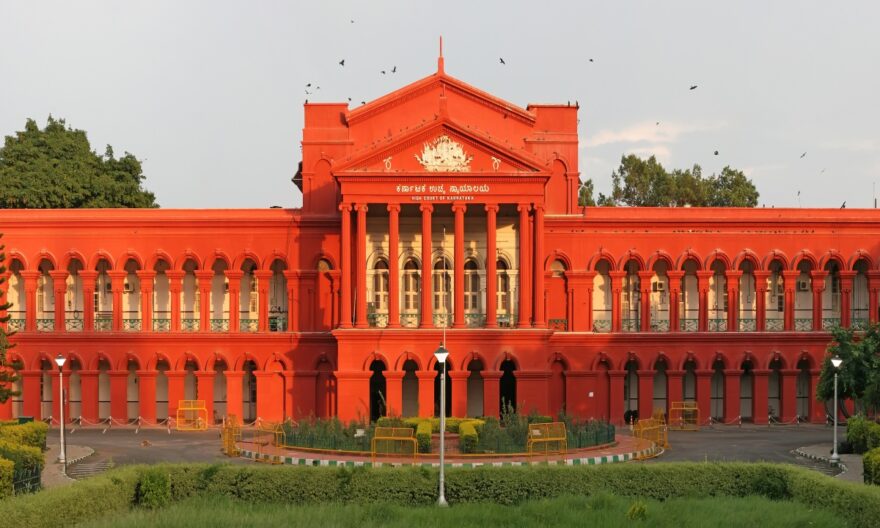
(836, 362)
(441, 354)
(60, 360)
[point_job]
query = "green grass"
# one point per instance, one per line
(599, 510)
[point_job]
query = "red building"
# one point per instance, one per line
(436, 209)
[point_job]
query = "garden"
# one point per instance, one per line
(21, 456)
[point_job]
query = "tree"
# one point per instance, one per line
(585, 194)
(8, 370)
(859, 375)
(641, 182)
(56, 168)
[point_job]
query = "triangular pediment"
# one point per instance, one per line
(443, 146)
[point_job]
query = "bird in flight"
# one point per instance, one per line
(342, 62)
(394, 69)
(657, 123)
(349, 99)
(502, 60)
(843, 206)
(308, 92)
(802, 155)
(591, 60)
(363, 102)
(383, 72)
(693, 87)
(308, 85)
(716, 152)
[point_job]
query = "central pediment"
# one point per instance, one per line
(442, 147)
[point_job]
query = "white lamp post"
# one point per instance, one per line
(836, 362)
(60, 360)
(441, 354)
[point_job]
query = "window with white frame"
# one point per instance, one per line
(380, 286)
(471, 286)
(411, 286)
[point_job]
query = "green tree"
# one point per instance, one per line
(8, 370)
(585, 194)
(859, 375)
(55, 167)
(731, 188)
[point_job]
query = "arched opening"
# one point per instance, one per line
(557, 388)
(190, 306)
(46, 396)
(747, 297)
(324, 296)
(409, 315)
(278, 297)
(377, 390)
(475, 388)
(689, 300)
(437, 367)
(747, 391)
(473, 316)
(803, 390)
(132, 394)
(860, 311)
(161, 297)
(219, 301)
(15, 296)
(660, 297)
(248, 298)
(631, 392)
(162, 367)
(131, 297)
(103, 297)
(556, 303)
(377, 309)
(507, 385)
(74, 304)
(631, 298)
(689, 382)
(442, 284)
(803, 298)
(602, 297)
(831, 296)
(504, 303)
(249, 392)
(104, 393)
(220, 368)
(774, 390)
(718, 297)
(716, 392)
(325, 390)
(45, 298)
(602, 396)
(190, 386)
(661, 386)
(74, 389)
(410, 388)
(775, 300)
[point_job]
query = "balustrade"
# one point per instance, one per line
(410, 320)
(602, 325)
(803, 324)
(219, 325)
(45, 325)
(248, 325)
(718, 324)
(689, 325)
(748, 325)
(774, 325)
(560, 325)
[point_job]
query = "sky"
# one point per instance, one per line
(209, 94)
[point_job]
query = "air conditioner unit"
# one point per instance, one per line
(803, 285)
(107, 287)
(126, 287)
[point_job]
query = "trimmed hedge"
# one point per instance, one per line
(31, 433)
(23, 456)
(117, 490)
(423, 436)
(467, 436)
(7, 471)
(871, 463)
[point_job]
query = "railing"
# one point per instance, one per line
(718, 324)
(45, 325)
(103, 324)
(189, 324)
(278, 323)
(131, 325)
(830, 322)
(410, 320)
(377, 320)
(161, 325)
(631, 325)
(859, 324)
(560, 325)
(249, 325)
(73, 325)
(602, 325)
(16, 325)
(474, 320)
(506, 320)
(219, 325)
(689, 325)
(803, 325)
(442, 320)
(774, 325)
(748, 325)
(660, 325)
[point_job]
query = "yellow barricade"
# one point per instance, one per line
(192, 415)
(230, 434)
(266, 434)
(652, 430)
(684, 416)
(393, 441)
(550, 438)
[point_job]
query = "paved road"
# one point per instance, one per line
(149, 446)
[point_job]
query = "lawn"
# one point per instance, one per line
(599, 510)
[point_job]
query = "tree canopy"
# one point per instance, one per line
(859, 374)
(8, 369)
(55, 167)
(646, 183)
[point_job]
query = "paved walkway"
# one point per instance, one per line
(53, 475)
(851, 464)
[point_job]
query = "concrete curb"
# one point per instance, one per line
(800, 452)
(581, 461)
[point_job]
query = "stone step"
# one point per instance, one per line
(83, 470)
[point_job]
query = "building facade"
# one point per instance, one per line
(435, 213)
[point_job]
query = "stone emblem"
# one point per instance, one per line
(444, 155)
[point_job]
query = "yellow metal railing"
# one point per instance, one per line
(548, 438)
(192, 415)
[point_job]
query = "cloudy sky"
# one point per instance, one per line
(210, 94)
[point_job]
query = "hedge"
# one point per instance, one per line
(423, 436)
(31, 433)
(871, 470)
(467, 436)
(23, 456)
(121, 489)
(7, 472)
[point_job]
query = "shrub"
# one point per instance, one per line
(872, 438)
(7, 470)
(322, 433)
(31, 433)
(423, 436)
(153, 489)
(24, 457)
(871, 462)
(857, 433)
(637, 511)
(468, 439)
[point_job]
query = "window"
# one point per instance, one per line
(502, 287)
(471, 286)
(411, 286)
(380, 286)
(442, 286)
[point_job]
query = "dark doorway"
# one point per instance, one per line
(508, 386)
(437, 367)
(377, 391)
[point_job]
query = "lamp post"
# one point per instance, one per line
(441, 354)
(836, 362)
(60, 360)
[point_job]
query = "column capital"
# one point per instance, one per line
(263, 274)
(343, 207)
(143, 275)
(790, 274)
(426, 208)
(31, 275)
(393, 375)
(458, 207)
(732, 372)
(675, 275)
(524, 207)
(361, 207)
(818, 274)
(117, 274)
(733, 274)
(204, 274)
(761, 275)
(539, 208)
(427, 374)
(493, 208)
(58, 275)
(234, 275)
(175, 275)
(645, 275)
(88, 275)
(393, 208)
